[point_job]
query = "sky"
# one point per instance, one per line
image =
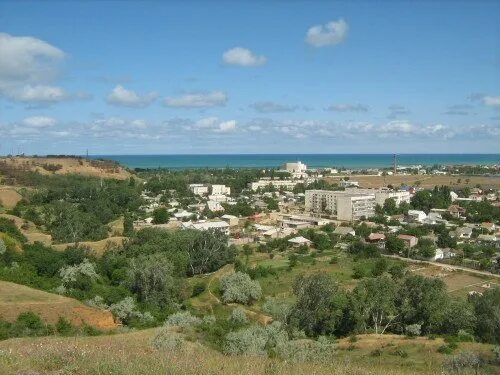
(217, 77)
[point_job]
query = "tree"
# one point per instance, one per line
(208, 251)
(373, 304)
(128, 225)
(445, 240)
(239, 287)
(160, 215)
(390, 207)
(152, 279)
(394, 245)
(319, 307)
(426, 248)
(487, 310)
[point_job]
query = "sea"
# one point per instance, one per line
(349, 161)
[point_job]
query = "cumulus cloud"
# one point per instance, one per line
(226, 126)
(243, 57)
(120, 96)
(28, 67)
(39, 122)
(271, 107)
(197, 100)
(330, 34)
(492, 101)
(347, 108)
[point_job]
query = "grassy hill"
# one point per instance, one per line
(16, 299)
(132, 353)
(67, 165)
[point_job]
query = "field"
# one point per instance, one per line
(9, 197)
(94, 168)
(131, 353)
(16, 299)
(425, 181)
(97, 247)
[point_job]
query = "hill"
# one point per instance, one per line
(66, 165)
(132, 353)
(16, 299)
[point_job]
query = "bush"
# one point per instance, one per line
(239, 287)
(413, 330)
(238, 316)
(445, 349)
(279, 310)
(183, 319)
(320, 350)
(463, 363)
(166, 339)
(465, 336)
(198, 288)
(255, 340)
(64, 327)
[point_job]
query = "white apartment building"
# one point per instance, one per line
(346, 205)
(348, 183)
(220, 190)
(198, 189)
(286, 184)
(382, 194)
(296, 167)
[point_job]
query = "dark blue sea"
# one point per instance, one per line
(351, 161)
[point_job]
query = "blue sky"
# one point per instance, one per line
(130, 77)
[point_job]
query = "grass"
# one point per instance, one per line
(16, 299)
(131, 353)
(9, 197)
(97, 247)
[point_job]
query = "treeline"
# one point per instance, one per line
(141, 282)
(75, 208)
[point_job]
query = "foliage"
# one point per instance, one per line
(462, 363)
(239, 287)
(160, 215)
(9, 227)
(183, 319)
(238, 316)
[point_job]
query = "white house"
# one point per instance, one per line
(416, 215)
(214, 206)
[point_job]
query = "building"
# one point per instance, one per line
(277, 184)
(207, 225)
(416, 216)
(377, 239)
(348, 183)
(231, 220)
(198, 189)
(315, 221)
(214, 206)
(296, 167)
(220, 190)
(382, 194)
(217, 198)
(346, 205)
(344, 231)
(300, 241)
(410, 241)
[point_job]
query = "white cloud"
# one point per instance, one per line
(226, 126)
(39, 122)
(270, 107)
(26, 59)
(121, 96)
(347, 108)
(197, 100)
(206, 122)
(242, 56)
(492, 101)
(330, 34)
(38, 94)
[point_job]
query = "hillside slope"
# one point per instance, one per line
(16, 299)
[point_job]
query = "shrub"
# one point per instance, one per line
(465, 336)
(126, 311)
(279, 310)
(166, 339)
(413, 330)
(462, 363)
(198, 288)
(445, 349)
(238, 316)
(209, 320)
(255, 340)
(239, 287)
(3, 247)
(320, 350)
(64, 327)
(183, 319)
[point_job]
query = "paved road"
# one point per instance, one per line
(443, 265)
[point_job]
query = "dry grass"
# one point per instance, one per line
(30, 230)
(9, 197)
(68, 165)
(16, 299)
(131, 353)
(97, 247)
(425, 181)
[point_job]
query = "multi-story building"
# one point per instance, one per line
(345, 205)
(382, 194)
(198, 189)
(286, 184)
(220, 190)
(297, 167)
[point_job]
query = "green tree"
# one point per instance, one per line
(160, 215)
(319, 307)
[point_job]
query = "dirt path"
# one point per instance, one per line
(442, 265)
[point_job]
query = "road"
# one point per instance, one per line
(443, 265)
